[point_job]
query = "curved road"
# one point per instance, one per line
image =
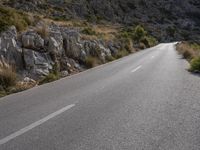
(146, 101)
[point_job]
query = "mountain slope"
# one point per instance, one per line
(166, 19)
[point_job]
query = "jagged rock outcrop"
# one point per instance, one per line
(37, 63)
(32, 40)
(36, 55)
(9, 49)
(71, 44)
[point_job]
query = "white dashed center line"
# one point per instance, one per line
(35, 124)
(134, 70)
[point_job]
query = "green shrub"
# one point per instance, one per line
(121, 54)
(54, 74)
(195, 64)
(9, 17)
(139, 33)
(195, 46)
(91, 18)
(125, 34)
(3, 93)
(91, 62)
(142, 45)
(110, 58)
(152, 41)
(145, 41)
(149, 41)
(49, 78)
(88, 31)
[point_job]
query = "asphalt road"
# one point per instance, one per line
(146, 101)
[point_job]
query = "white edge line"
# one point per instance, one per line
(35, 124)
(134, 70)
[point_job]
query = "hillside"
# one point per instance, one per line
(168, 20)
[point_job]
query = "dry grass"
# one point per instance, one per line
(67, 23)
(91, 62)
(106, 29)
(121, 54)
(8, 75)
(88, 37)
(190, 51)
(43, 31)
(105, 32)
(22, 86)
(187, 51)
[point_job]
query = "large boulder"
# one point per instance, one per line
(32, 40)
(72, 46)
(114, 47)
(9, 49)
(55, 43)
(37, 63)
(96, 49)
(70, 65)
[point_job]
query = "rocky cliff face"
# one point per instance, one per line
(167, 19)
(34, 55)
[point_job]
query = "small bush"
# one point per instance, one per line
(142, 45)
(148, 41)
(139, 33)
(54, 75)
(8, 76)
(186, 50)
(187, 54)
(121, 54)
(190, 51)
(145, 41)
(195, 46)
(195, 64)
(110, 58)
(49, 78)
(91, 62)
(9, 17)
(88, 31)
(2, 93)
(42, 31)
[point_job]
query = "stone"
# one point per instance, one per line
(9, 50)
(55, 41)
(37, 63)
(32, 40)
(28, 80)
(71, 44)
(64, 73)
(113, 48)
(55, 47)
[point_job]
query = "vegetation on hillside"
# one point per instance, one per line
(191, 52)
(139, 36)
(126, 40)
(9, 17)
(9, 80)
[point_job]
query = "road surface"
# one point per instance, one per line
(145, 101)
